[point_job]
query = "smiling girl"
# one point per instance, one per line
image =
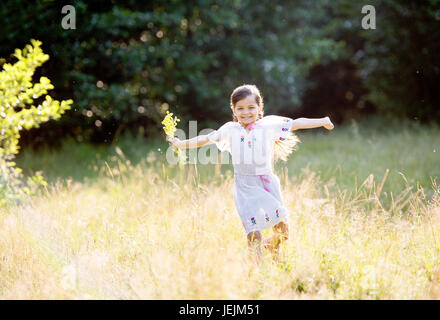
(254, 142)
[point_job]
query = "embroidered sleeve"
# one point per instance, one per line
(279, 126)
(221, 137)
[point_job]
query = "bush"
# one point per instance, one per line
(18, 112)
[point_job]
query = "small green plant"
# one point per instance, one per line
(18, 112)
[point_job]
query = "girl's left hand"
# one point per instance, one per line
(329, 125)
(174, 141)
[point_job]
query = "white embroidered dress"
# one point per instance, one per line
(257, 190)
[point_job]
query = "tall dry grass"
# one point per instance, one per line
(365, 223)
(136, 234)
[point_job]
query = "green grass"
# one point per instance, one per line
(346, 156)
(343, 158)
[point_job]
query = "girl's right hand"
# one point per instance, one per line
(174, 141)
(329, 125)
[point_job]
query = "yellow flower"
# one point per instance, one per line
(169, 124)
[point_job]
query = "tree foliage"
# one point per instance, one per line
(18, 112)
(128, 62)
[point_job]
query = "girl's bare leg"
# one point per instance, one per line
(254, 243)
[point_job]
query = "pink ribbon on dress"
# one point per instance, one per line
(265, 180)
(250, 126)
(264, 177)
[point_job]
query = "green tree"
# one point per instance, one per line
(18, 112)
(398, 62)
(128, 61)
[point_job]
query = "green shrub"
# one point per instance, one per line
(18, 112)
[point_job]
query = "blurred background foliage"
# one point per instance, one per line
(128, 62)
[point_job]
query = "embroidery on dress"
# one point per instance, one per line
(282, 139)
(242, 138)
(253, 220)
(277, 214)
(266, 217)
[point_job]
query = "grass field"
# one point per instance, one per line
(118, 222)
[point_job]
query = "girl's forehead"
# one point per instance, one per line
(250, 99)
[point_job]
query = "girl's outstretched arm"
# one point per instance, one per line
(306, 123)
(195, 142)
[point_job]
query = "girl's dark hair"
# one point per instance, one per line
(242, 92)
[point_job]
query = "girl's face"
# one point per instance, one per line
(246, 110)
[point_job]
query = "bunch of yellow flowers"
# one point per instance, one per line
(169, 124)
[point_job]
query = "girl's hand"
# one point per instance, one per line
(329, 125)
(176, 142)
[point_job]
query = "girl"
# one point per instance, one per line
(254, 140)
